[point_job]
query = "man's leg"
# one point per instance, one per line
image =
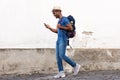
(59, 63)
(62, 51)
(59, 60)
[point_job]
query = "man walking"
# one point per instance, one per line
(62, 27)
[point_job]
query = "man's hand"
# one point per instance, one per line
(59, 26)
(47, 26)
(50, 28)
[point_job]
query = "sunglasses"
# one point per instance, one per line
(53, 11)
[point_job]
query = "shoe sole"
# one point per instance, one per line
(59, 77)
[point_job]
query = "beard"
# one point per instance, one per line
(57, 16)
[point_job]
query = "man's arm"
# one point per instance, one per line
(68, 27)
(50, 28)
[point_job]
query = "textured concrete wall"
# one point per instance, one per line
(38, 60)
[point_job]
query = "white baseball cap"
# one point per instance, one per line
(56, 8)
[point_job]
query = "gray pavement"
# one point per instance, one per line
(83, 75)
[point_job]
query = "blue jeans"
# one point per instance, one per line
(61, 45)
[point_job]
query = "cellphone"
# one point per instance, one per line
(45, 24)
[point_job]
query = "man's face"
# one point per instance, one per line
(56, 13)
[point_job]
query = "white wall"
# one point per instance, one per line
(21, 22)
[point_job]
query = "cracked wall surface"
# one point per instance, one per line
(43, 60)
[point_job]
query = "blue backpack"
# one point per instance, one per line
(71, 33)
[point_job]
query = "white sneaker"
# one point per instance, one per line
(60, 75)
(76, 69)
